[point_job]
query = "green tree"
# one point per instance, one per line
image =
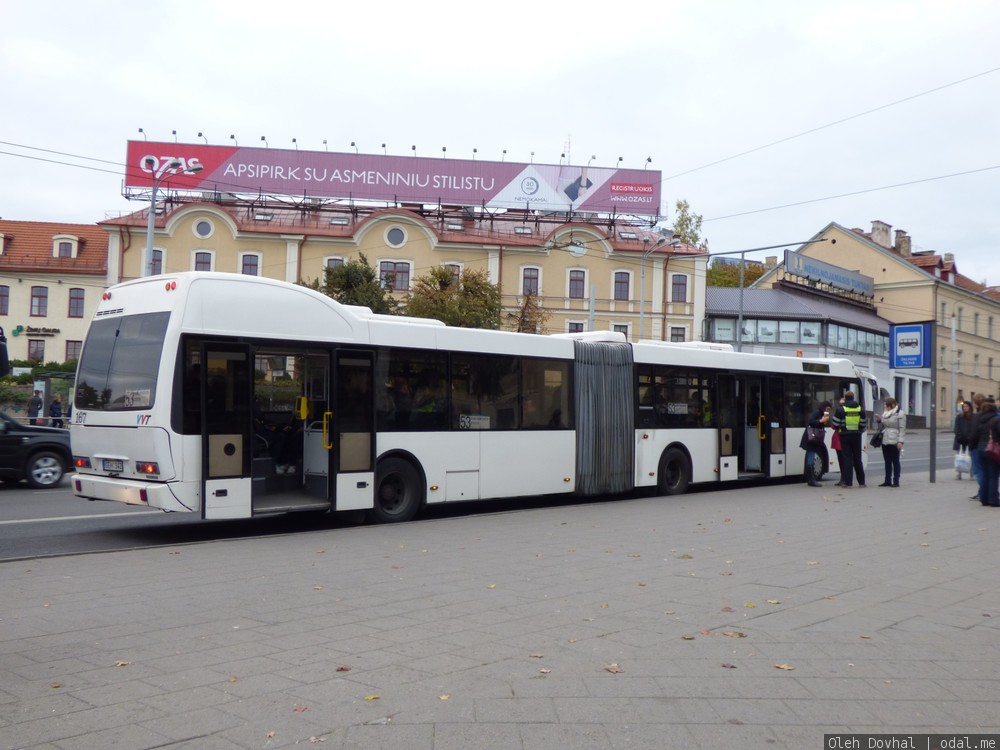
(687, 226)
(530, 317)
(728, 274)
(356, 283)
(470, 301)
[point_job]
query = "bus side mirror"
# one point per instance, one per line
(301, 407)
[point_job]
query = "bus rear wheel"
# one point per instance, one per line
(398, 493)
(675, 473)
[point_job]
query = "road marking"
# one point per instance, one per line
(76, 518)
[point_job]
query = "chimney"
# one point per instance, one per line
(880, 233)
(902, 243)
(770, 261)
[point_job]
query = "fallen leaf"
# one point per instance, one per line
(729, 666)
(727, 520)
(924, 544)
(813, 562)
(317, 588)
(443, 697)
(233, 678)
(536, 656)
(688, 637)
(544, 670)
(774, 601)
(706, 632)
(887, 682)
(491, 586)
(734, 634)
(571, 640)
(669, 612)
(614, 668)
(314, 740)
(641, 583)
(728, 609)
(55, 685)
(785, 667)
(865, 637)
(750, 605)
(343, 669)
(605, 606)
(300, 709)
(121, 663)
(270, 734)
(372, 697)
(402, 546)
(685, 556)
(725, 573)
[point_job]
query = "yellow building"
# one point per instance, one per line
(917, 287)
(588, 274)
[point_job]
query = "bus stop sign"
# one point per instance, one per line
(910, 345)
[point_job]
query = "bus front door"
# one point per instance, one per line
(226, 384)
(750, 392)
(349, 431)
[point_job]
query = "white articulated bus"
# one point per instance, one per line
(234, 396)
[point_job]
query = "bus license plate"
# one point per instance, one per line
(113, 465)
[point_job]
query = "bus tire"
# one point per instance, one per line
(44, 469)
(675, 473)
(398, 491)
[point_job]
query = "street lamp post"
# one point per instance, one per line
(170, 168)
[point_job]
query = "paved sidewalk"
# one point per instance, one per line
(757, 617)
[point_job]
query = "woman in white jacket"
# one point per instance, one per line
(893, 426)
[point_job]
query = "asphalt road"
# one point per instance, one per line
(46, 523)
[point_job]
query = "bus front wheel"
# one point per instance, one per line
(397, 491)
(675, 473)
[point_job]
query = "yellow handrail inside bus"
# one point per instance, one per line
(302, 407)
(760, 427)
(327, 416)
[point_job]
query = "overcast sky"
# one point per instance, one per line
(770, 118)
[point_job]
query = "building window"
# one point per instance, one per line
(36, 350)
(396, 237)
(677, 333)
(334, 262)
(394, 275)
(678, 288)
(202, 261)
(620, 328)
(157, 264)
(4, 300)
(989, 372)
(251, 265)
(73, 349)
(529, 282)
(75, 303)
(577, 284)
(975, 324)
(39, 301)
(203, 229)
(975, 365)
(944, 316)
(575, 327)
(456, 273)
(65, 246)
(621, 285)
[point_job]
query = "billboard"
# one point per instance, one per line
(827, 273)
(390, 179)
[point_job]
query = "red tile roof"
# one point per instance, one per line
(28, 246)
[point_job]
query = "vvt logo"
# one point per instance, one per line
(142, 419)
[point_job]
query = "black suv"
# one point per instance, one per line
(39, 454)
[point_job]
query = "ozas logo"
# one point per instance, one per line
(142, 419)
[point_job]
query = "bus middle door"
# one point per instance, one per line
(350, 430)
(226, 417)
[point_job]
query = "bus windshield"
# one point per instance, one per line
(119, 364)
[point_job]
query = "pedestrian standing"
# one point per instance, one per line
(818, 420)
(35, 408)
(55, 412)
(893, 423)
(989, 470)
(849, 419)
(964, 426)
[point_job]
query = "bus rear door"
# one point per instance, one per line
(226, 384)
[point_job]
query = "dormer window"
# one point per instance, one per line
(65, 246)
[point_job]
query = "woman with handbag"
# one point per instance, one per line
(813, 442)
(892, 426)
(964, 424)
